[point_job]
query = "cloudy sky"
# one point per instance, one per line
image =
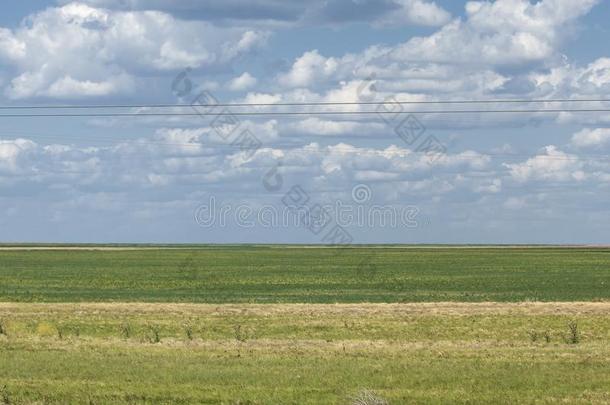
(456, 178)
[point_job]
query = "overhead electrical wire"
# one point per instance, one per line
(305, 104)
(302, 113)
(310, 113)
(58, 111)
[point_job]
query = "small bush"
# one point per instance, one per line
(547, 336)
(533, 335)
(125, 328)
(573, 336)
(240, 335)
(188, 330)
(4, 396)
(348, 325)
(154, 334)
(368, 397)
(2, 327)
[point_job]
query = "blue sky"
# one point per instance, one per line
(518, 178)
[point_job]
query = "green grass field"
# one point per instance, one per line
(304, 325)
(304, 354)
(306, 274)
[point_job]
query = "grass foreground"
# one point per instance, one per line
(463, 353)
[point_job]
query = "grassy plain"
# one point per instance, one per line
(280, 274)
(304, 354)
(304, 325)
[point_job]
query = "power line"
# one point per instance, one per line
(302, 113)
(305, 104)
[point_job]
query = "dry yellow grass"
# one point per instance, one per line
(437, 308)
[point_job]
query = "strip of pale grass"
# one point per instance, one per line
(435, 308)
(404, 322)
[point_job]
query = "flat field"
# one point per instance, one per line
(304, 354)
(280, 274)
(304, 325)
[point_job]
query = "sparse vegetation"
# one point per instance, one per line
(188, 330)
(547, 336)
(154, 334)
(573, 336)
(533, 335)
(240, 335)
(294, 345)
(4, 396)
(125, 328)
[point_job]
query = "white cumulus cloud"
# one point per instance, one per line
(553, 165)
(243, 82)
(77, 50)
(591, 137)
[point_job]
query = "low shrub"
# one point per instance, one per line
(533, 335)
(188, 330)
(573, 336)
(240, 335)
(154, 335)
(125, 329)
(4, 396)
(547, 336)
